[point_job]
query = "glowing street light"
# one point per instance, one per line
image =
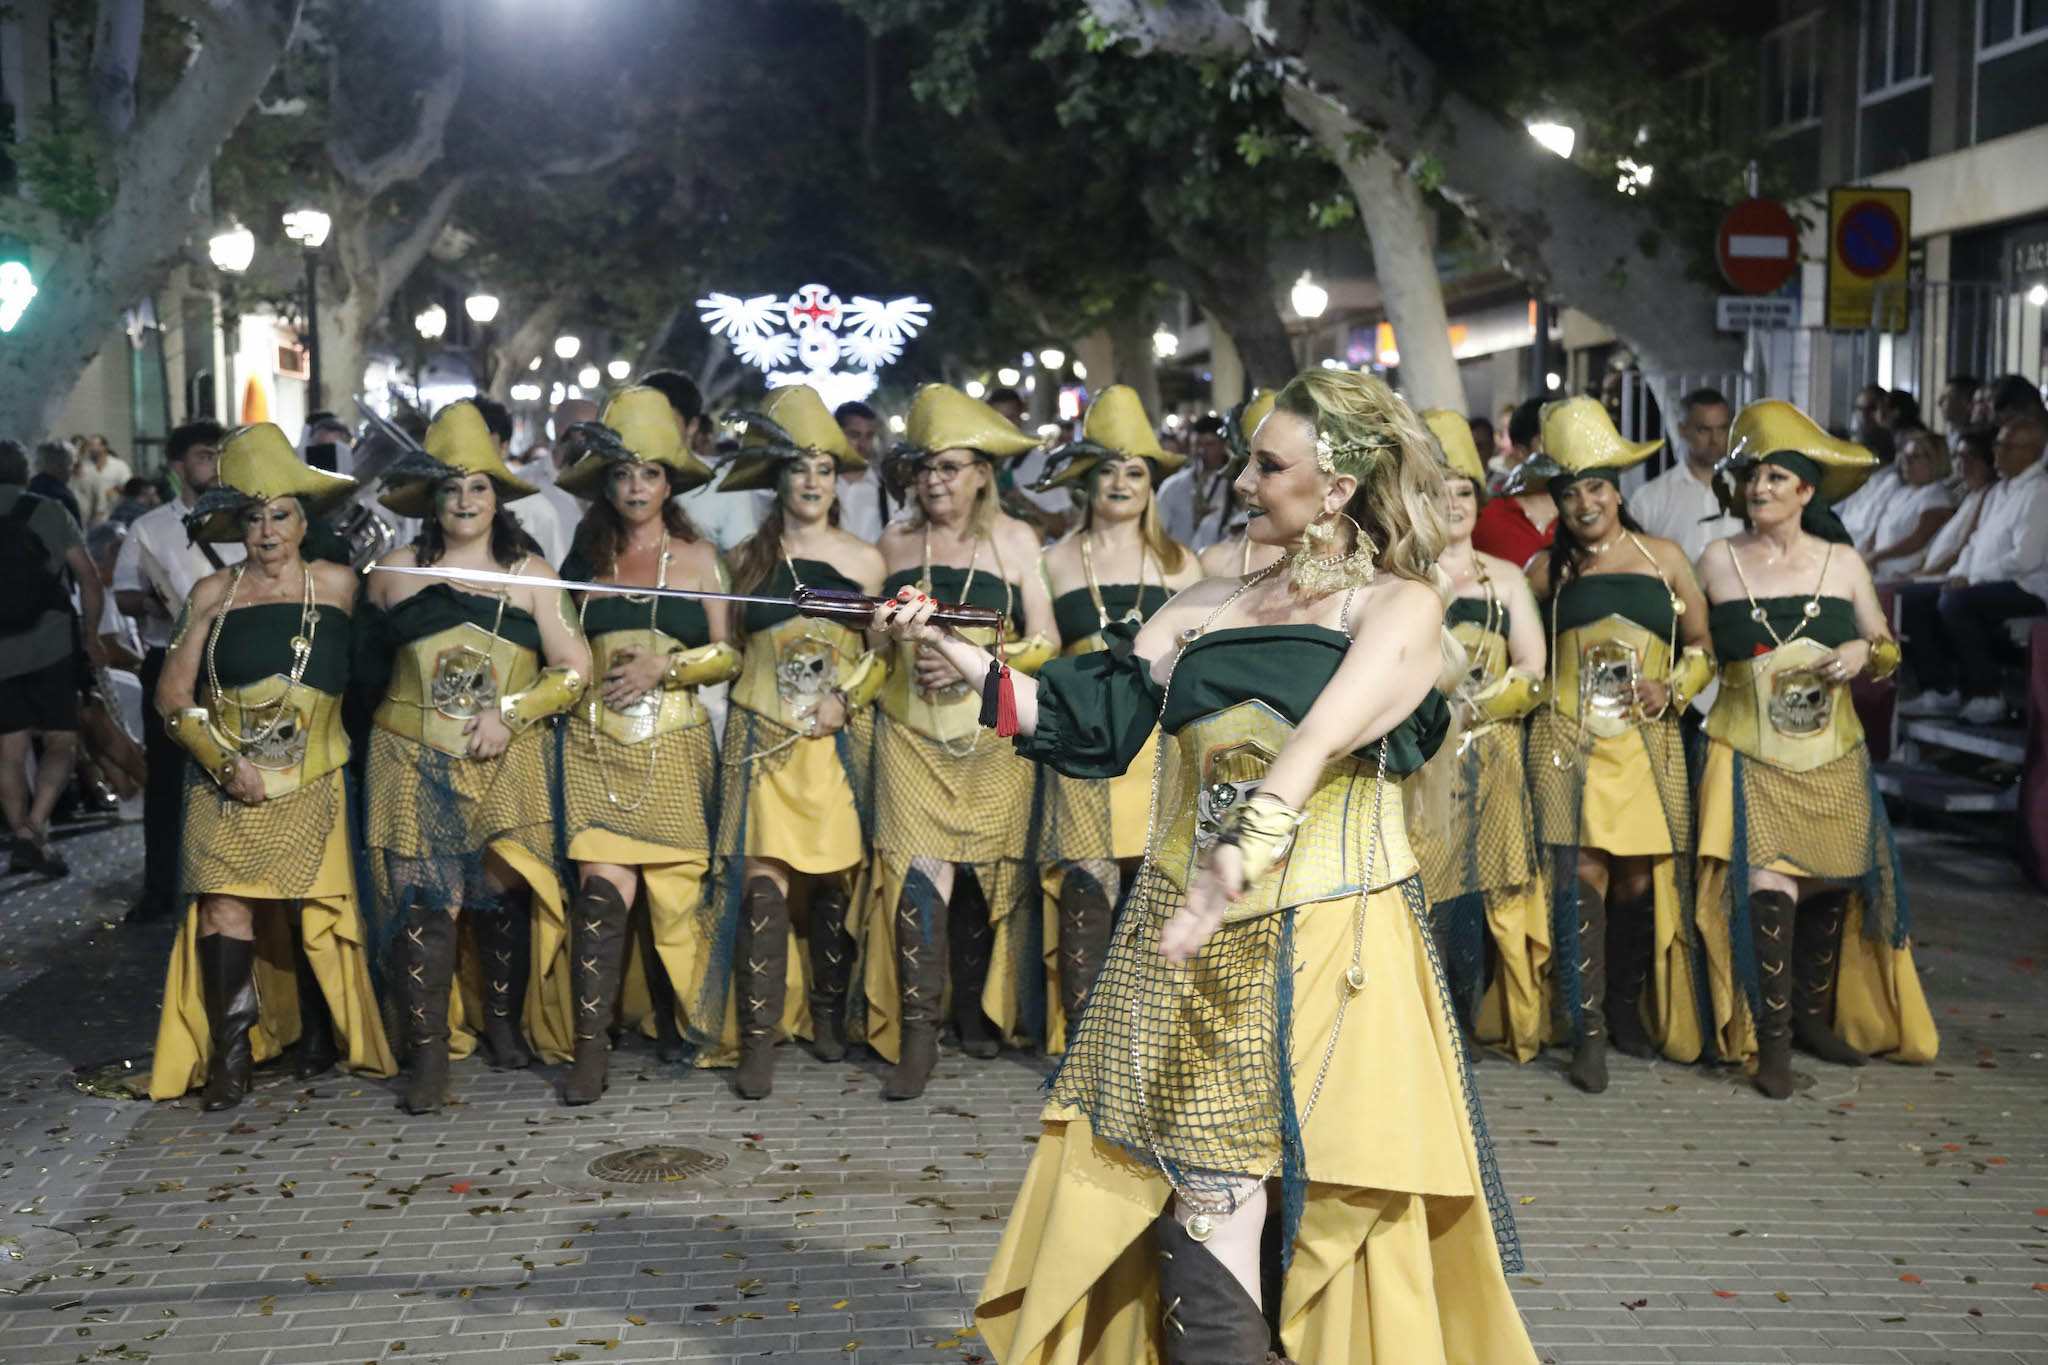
(1556, 137)
(1009, 376)
(1165, 344)
(896, 422)
(17, 289)
(619, 369)
(588, 377)
(533, 364)
(567, 345)
(1053, 358)
(2038, 296)
(1308, 297)
(482, 308)
(232, 250)
(525, 393)
(431, 322)
(975, 388)
(1080, 370)
(308, 227)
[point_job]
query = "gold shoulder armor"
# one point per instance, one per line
(552, 693)
(193, 728)
(703, 666)
(1029, 654)
(864, 681)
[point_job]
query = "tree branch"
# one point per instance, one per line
(410, 159)
(116, 49)
(403, 256)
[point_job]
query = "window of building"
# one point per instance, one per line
(1704, 92)
(1896, 104)
(1792, 76)
(2012, 66)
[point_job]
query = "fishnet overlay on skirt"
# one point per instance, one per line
(955, 805)
(279, 843)
(664, 787)
(1556, 763)
(1486, 843)
(1074, 824)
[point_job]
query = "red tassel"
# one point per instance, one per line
(1006, 703)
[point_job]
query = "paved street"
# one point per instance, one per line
(1883, 1216)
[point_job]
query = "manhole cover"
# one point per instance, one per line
(649, 1165)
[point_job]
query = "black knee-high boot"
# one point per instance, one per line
(831, 948)
(973, 944)
(1208, 1317)
(1816, 962)
(504, 945)
(316, 1053)
(1588, 1070)
(1631, 937)
(227, 979)
(920, 984)
(1772, 912)
(426, 972)
(597, 930)
(761, 972)
(1086, 917)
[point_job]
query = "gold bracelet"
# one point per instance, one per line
(1262, 828)
(1884, 656)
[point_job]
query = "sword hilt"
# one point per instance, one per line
(854, 610)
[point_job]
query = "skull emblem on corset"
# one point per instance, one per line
(279, 747)
(1607, 674)
(1802, 703)
(464, 683)
(807, 669)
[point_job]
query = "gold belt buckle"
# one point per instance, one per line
(464, 683)
(1801, 703)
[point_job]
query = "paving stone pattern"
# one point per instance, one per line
(1884, 1216)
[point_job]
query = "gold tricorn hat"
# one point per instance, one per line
(1771, 425)
(257, 465)
(792, 421)
(943, 418)
(1116, 426)
(1578, 435)
(457, 442)
(1461, 453)
(645, 427)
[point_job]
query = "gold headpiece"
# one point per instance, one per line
(1116, 425)
(794, 419)
(1578, 435)
(1771, 425)
(258, 465)
(1454, 437)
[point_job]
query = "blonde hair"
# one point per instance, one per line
(987, 502)
(1170, 554)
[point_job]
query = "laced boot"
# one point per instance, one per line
(227, 979)
(973, 943)
(1086, 916)
(1588, 1070)
(920, 981)
(1208, 1317)
(1772, 912)
(661, 991)
(427, 970)
(597, 930)
(1631, 932)
(504, 945)
(761, 963)
(1816, 959)
(316, 1053)
(831, 970)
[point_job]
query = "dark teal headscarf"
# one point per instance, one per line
(1819, 517)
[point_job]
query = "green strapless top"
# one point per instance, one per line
(1638, 597)
(1075, 615)
(1738, 635)
(379, 633)
(947, 582)
(815, 573)
(677, 617)
(256, 643)
(1472, 611)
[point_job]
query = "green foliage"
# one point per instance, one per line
(62, 168)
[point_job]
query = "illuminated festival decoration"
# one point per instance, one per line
(805, 338)
(17, 287)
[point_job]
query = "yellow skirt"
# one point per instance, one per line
(332, 931)
(1518, 1013)
(1394, 1262)
(1879, 1006)
(800, 808)
(1006, 885)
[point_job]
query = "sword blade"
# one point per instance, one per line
(576, 585)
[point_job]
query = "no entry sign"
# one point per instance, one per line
(1869, 232)
(1758, 246)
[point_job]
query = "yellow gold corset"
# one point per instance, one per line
(1087, 644)
(440, 682)
(1486, 652)
(951, 713)
(1217, 761)
(792, 665)
(659, 710)
(290, 734)
(1596, 664)
(1777, 708)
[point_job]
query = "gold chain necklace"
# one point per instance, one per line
(1557, 592)
(1808, 614)
(1136, 615)
(278, 711)
(653, 600)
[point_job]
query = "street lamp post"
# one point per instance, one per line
(231, 251)
(309, 228)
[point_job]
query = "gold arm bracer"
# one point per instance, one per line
(553, 692)
(1029, 654)
(193, 728)
(864, 683)
(1690, 673)
(1884, 656)
(1263, 829)
(701, 667)
(1510, 697)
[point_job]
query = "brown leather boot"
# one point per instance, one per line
(1086, 917)
(426, 955)
(973, 944)
(1631, 936)
(761, 972)
(920, 982)
(597, 931)
(1816, 961)
(1207, 1316)
(504, 947)
(227, 979)
(1588, 1070)
(831, 948)
(1772, 912)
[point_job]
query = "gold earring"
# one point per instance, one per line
(1315, 572)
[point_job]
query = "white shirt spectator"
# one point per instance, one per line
(725, 519)
(1897, 517)
(860, 506)
(537, 515)
(1678, 507)
(160, 559)
(1859, 510)
(2010, 543)
(1956, 530)
(1177, 509)
(98, 487)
